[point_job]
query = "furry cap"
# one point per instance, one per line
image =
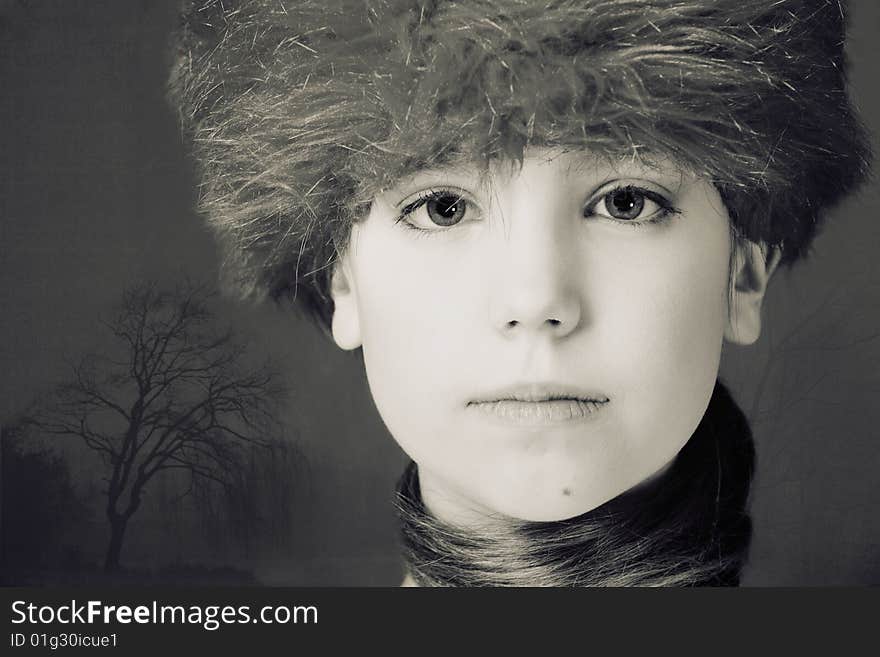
(301, 110)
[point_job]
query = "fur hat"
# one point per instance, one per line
(301, 110)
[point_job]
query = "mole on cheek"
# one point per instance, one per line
(566, 492)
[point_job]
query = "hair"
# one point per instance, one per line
(299, 113)
(688, 527)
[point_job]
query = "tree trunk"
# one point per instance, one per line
(114, 548)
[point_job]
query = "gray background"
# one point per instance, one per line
(95, 192)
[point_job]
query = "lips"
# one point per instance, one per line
(539, 404)
(540, 392)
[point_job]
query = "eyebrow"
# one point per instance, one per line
(583, 160)
(446, 174)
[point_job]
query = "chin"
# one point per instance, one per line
(563, 498)
(563, 503)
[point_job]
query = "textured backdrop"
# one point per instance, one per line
(96, 191)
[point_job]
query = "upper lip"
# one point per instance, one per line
(539, 392)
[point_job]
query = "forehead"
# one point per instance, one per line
(579, 165)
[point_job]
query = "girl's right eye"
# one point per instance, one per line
(436, 210)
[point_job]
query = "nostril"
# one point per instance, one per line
(512, 323)
(554, 322)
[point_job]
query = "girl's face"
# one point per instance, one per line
(539, 339)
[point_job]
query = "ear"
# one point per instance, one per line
(346, 324)
(752, 267)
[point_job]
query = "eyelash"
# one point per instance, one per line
(667, 209)
(421, 199)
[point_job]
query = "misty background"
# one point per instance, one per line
(97, 195)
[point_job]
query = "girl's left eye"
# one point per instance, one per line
(436, 210)
(631, 204)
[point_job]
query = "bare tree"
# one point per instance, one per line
(171, 392)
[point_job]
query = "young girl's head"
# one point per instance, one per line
(539, 220)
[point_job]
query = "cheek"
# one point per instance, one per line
(407, 296)
(668, 338)
(416, 310)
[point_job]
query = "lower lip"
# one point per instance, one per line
(539, 413)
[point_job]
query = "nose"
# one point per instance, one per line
(537, 289)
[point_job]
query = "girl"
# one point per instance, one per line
(539, 221)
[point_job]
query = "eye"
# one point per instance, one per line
(446, 209)
(631, 204)
(436, 210)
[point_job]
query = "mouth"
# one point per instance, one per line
(539, 404)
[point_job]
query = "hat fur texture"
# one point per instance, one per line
(301, 111)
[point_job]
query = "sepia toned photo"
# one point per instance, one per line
(486, 293)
